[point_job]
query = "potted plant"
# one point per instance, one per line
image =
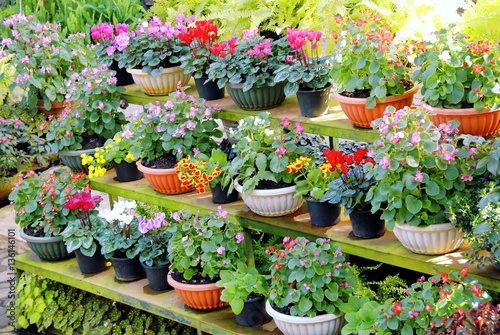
(350, 187)
(167, 132)
(118, 240)
(80, 235)
(244, 290)
(209, 171)
(459, 78)
(311, 280)
(371, 71)
(151, 53)
(152, 248)
(45, 59)
(92, 115)
(263, 153)
(200, 36)
(102, 35)
(200, 247)
(419, 167)
(38, 203)
(306, 73)
(115, 152)
(442, 304)
(246, 68)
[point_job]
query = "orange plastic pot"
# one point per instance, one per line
(360, 116)
(203, 297)
(163, 180)
(55, 110)
(485, 123)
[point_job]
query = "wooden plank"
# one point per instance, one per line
(385, 249)
(334, 124)
(138, 295)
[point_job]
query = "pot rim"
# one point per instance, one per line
(148, 170)
(389, 98)
(77, 153)
(459, 111)
(270, 192)
(300, 319)
(191, 287)
(48, 239)
(432, 228)
(138, 72)
(240, 85)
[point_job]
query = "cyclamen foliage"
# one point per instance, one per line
(152, 246)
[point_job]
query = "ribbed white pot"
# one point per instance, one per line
(275, 202)
(436, 239)
(164, 84)
(327, 324)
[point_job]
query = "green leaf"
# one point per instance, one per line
(431, 188)
(305, 304)
(361, 63)
(413, 204)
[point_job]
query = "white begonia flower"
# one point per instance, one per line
(343, 32)
(445, 56)
(468, 60)
(496, 88)
(432, 38)
(338, 58)
(343, 43)
(268, 132)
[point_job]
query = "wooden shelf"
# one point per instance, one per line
(138, 295)
(386, 249)
(334, 124)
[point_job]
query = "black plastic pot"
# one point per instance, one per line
(209, 90)
(157, 277)
(126, 171)
(220, 196)
(122, 76)
(367, 225)
(323, 214)
(93, 264)
(127, 269)
(313, 103)
(253, 313)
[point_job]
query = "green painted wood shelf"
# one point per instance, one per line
(386, 249)
(138, 295)
(335, 124)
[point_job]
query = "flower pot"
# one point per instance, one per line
(55, 110)
(157, 277)
(253, 313)
(202, 297)
(257, 98)
(436, 239)
(47, 248)
(485, 123)
(270, 203)
(123, 78)
(314, 103)
(93, 264)
(220, 196)
(323, 214)
(496, 265)
(164, 84)
(208, 90)
(73, 159)
(366, 224)
(327, 324)
(126, 171)
(163, 180)
(359, 115)
(127, 269)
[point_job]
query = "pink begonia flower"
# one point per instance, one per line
(415, 138)
(419, 177)
(176, 216)
(385, 163)
(285, 122)
(465, 177)
(220, 250)
(299, 128)
(222, 213)
(280, 151)
(239, 238)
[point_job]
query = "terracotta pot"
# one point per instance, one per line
(359, 115)
(326, 324)
(55, 110)
(164, 84)
(436, 239)
(163, 180)
(485, 123)
(203, 297)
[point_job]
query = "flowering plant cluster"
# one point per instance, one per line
(44, 57)
(366, 61)
(39, 199)
(200, 37)
(457, 72)
(152, 246)
(251, 61)
(103, 35)
(183, 126)
(309, 277)
(120, 233)
(440, 304)
(153, 46)
(419, 167)
(81, 234)
(263, 152)
(203, 245)
(94, 111)
(305, 69)
(350, 187)
(114, 150)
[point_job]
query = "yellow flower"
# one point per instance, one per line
(130, 157)
(118, 140)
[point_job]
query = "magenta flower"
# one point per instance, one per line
(419, 177)
(280, 151)
(385, 163)
(415, 138)
(239, 238)
(220, 250)
(285, 122)
(299, 128)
